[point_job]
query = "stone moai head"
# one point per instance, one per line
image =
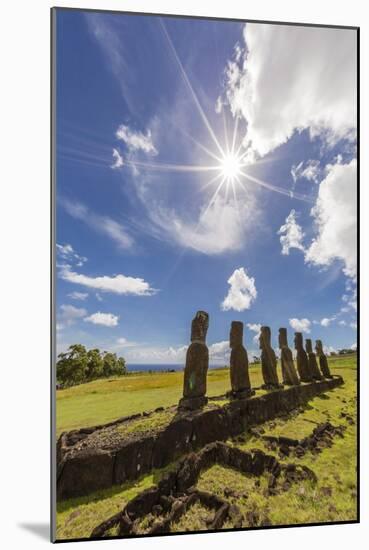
(319, 347)
(199, 326)
(308, 345)
(282, 338)
(236, 334)
(264, 338)
(299, 343)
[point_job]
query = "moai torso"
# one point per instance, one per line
(313, 365)
(268, 359)
(302, 359)
(197, 358)
(323, 361)
(288, 368)
(239, 364)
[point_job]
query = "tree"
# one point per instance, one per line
(71, 367)
(95, 364)
(78, 365)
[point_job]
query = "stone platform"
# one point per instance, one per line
(99, 457)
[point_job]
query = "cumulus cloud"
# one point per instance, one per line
(106, 319)
(218, 353)
(78, 295)
(118, 159)
(102, 224)
(255, 327)
(293, 78)
(300, 325)
(136, 141)
(291, 234)
(354, 346)
(335, 218)
(118, 284)
(124, 343)
(242, 292)
(309, 170)
(68, 315)
(326, 321)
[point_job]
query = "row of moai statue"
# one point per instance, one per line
(197, 362)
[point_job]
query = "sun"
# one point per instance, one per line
(231, 166)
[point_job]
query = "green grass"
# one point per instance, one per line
(105, 400)
(333, 498)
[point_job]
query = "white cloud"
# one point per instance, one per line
(328, 350)
(78, 295)
(342, 323)
(300, 325)
(354, 346)
(69, 315)
(335, 218)
(118, 159)
(309, 170)
(101, 224)
(353, 325)
(291, 234)
(67, 252)
(219, 228)
(136, 141)
(242, 291)
(255, 327)
(124, 343)
(219, 352)
(106, 319)
(291, 78)
(118, 284)
(326, 321)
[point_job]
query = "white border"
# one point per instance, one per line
(25, 230)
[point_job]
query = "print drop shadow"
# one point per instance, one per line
(41, 530)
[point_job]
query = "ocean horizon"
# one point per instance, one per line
(163, 367)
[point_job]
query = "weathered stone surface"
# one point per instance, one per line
(289, 373)
(197, 364)
(239, 363)
(89, 468)
(302, 361)
(85, 469)
(313, 365)
(323, 361)
(268, 360)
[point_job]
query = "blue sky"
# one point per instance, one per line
(203, 165)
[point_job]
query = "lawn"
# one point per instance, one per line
(105, 400)
(333, 498)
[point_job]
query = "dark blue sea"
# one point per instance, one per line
(161, 367)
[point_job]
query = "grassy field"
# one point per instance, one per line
(102, 401)
(333, 498)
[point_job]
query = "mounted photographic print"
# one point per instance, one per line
(204, 182)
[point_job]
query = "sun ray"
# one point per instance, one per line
(276, 189)
(210, 153)
(165, 167)
(189, 85)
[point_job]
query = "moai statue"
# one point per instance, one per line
(314, 369)
(239, 363)
(323, 361)
(197, 363)
(289, 373)
(302, 361)
(268, 360)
